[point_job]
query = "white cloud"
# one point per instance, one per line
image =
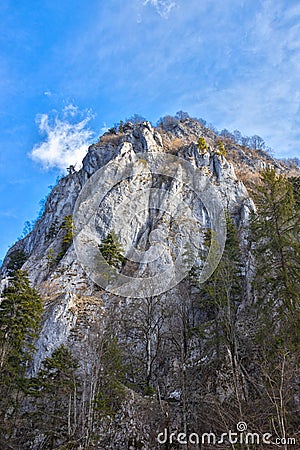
(104, 129)
(163, 7)
(70, 110)
(258, 91)
(9, 214)
(66, 140)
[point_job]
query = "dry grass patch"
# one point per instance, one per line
(112, 139)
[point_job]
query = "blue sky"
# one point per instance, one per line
(69, 68)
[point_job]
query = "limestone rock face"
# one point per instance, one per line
(76, 310)
(63, 283)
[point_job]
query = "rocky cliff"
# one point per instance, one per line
(157, 208)
(66, 285)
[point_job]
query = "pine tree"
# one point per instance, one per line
(16, 260)
(275, 234)
(110, 391)
(221, 149)
(296, 186)
(220, 297)
(275, 241)
(202, 145)
(112, 250)
(20, 317)
(55, 392)
(68, 227)
(275, 231)
(224, 289)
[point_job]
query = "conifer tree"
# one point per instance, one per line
(110, 390)
(112, 250)
(275, 242)
(20, 317)
(16, 260)
(68, 227)
(219, 299)
(275, 234)
(296, 186)
(202, 145)
(223, 291)
(221, 149)
(55, 391)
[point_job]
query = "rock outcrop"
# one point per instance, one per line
(78, 312)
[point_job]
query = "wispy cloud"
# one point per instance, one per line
(9, 214)
(269, 96)
(163, 7)
(67, 137)
(235, 63)
(253, 73)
